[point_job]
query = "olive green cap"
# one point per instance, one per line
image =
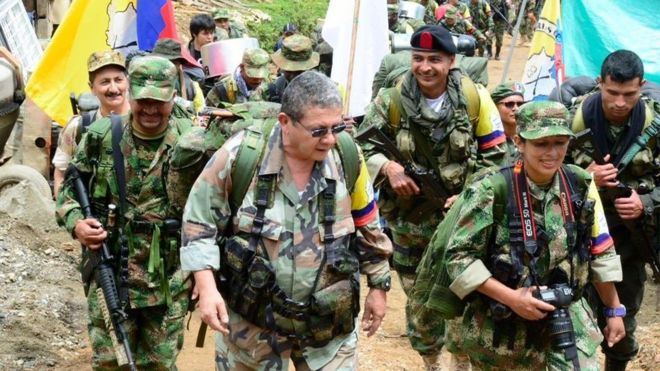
(97, 60)
(392, 8)
(452, 12)
(255, 61)
(152, 77)
(296, 54)
(169, 49)
(221, 13)
(507, 89)
(535, 120)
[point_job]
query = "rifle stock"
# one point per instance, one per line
(104, 277)
(431, 187)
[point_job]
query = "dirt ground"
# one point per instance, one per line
(43, 310)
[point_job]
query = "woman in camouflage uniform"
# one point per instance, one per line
(518, 241)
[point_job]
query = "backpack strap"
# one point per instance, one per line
(350, 159)
(247, 159)
(395, 110)
(472, 99)
(118, 160)
(84, 122)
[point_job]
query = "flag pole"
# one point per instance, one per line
(514, 39)
(351, 59)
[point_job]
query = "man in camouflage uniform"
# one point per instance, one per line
(295, 57)
(528, 22)
(508, 97)
(454, 23)
(619, 119)
(504, 326)
(242, 85)
(310, 263)
(225, 28)
(500, 23)
(109, 83)
(188, 92)
(482, 19)
(156, 290)
(435, 129)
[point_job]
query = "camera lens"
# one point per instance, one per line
(561, 329)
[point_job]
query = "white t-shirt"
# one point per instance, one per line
(436, 103)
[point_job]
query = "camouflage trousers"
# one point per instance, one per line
(410, 241)
(630, 290)
(474, 334)
(230, 357)
(498, 31)
(155, 334)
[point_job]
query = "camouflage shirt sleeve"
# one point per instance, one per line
(467, 248)
(207, 211)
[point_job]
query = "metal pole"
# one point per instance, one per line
(514, 39)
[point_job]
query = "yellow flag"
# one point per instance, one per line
(89, 26)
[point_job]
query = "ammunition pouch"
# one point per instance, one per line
(247, 282)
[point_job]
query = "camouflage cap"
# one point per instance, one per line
(296, 54)
(152, 77)
(168, 49)
(452, 12)
(97, 60)
(221, 13)
(536, 120)
(392, 8)
(255, 62)
(507, 89)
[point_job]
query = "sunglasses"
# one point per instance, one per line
(321, 132)
(510, 105)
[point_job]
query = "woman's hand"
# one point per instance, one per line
(527, 306)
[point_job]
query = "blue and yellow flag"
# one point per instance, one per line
(545, 68)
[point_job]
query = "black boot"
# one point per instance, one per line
(497, 52)
(615, 365)
(489, 50)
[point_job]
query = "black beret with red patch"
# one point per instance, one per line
(433, 38)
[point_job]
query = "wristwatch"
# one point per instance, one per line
(619, 311)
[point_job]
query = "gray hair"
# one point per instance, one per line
(309, 89)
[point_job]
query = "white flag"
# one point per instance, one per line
(363, 52)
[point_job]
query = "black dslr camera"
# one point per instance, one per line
(559, 320)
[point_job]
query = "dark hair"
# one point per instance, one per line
(201, 22)
(622, 66)
(134, 54)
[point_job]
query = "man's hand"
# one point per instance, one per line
(401, 184)
(213, 311)
(615, 331)
(629, 208)
(604, 175)
(374, 310)
(450, 201)
(529, 307)
(90, 233)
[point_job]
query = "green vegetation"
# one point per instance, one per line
(303, 13)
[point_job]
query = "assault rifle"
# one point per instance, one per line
(100, 263)
(431, 187)
(651, 252)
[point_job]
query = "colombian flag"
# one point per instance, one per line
(123, 25)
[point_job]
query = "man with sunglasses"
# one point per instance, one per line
(508, 97)
(291, 255)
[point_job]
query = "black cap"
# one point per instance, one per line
(433, 38)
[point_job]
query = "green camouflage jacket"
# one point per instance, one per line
(481, 235)
(226, 91)
(463, 26)
(481, 14)
(291, 237)
(642, 174)
(460, 147)
(153, 262)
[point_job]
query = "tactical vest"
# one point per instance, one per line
(164, 229)
(247, 280)
(452, 163)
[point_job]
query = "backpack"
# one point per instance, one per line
(85, 120)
